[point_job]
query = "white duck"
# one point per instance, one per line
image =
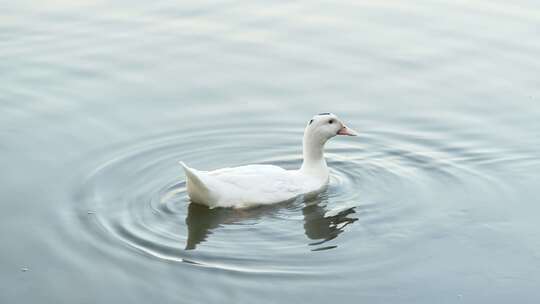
(252, 185)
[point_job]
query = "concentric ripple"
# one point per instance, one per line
(383, 192)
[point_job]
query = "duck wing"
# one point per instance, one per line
(261, 184)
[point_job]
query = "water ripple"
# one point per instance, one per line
(138, 196)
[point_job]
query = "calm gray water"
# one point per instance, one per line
(436, 202)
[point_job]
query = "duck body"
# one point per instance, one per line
(252, 185)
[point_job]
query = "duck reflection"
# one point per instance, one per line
(201, 220)
(318, 226)
(321, 227)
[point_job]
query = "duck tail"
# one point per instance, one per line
(197, 189)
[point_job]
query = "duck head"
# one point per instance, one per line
(324, 126)
(318, 131)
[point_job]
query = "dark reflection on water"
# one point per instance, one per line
(323, 228)
(201, 221)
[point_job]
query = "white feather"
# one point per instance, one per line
(252, 185)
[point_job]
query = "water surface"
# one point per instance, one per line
(435, 201)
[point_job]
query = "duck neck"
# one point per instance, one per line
(313, 153)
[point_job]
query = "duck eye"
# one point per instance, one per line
(310, 122)
(331, 121)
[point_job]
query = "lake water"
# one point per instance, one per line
(437, 200)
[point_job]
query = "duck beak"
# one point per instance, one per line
(347, 131)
